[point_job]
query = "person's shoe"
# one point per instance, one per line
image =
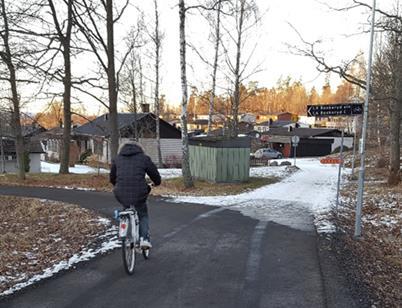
(145, 244)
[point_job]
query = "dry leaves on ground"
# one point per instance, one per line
(35, 234)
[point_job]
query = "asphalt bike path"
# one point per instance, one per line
(202, 257)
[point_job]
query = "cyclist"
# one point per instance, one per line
(127, 175)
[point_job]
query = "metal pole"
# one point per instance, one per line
(294, 151)
(340, 172)
(3, 164)
(354, 149)
(359, 204)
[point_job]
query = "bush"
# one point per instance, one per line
(93, 161)
(27, 161)
(338, 149)
(172, 161)
(84, 156)
(274, 164)
(286, 163)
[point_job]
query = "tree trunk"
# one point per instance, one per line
(394, 176)
(65, 157)
(157, 105)
(215, 67)
(236, 93)
(7, 58)
(134, 93)
(188, 181)
(112, 84)
(66, 43)
(3, 162)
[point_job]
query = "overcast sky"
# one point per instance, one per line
(313, 19)
(340, 33)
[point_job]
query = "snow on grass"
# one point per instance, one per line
(47, 167)
(293, 202)
(267, 171)
(109, 241)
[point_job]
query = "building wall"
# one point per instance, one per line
(348, 142)
(11, 166)
(171, 149)
(34, 164)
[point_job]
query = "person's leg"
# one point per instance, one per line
(142, 211)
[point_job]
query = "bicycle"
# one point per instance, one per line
(130, 239)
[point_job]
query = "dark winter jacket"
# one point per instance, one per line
(128, 175)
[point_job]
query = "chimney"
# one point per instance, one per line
(145, 108)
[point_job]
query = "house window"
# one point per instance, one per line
(98, 147)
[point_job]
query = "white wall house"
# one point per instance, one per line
(95, 136)
(8, 161)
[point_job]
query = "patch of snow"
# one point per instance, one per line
(169, 173)
(110, 241)
(78, 169)
(3, 279)
(104, 221)
(73, 188)
(265, 171)
(292, 202)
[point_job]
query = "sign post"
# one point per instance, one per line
(359, 203)
(338, 189)
(295, 143)
(338, 110)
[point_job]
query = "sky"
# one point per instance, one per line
(340, 34)
(313, 19)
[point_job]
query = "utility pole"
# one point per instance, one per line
(359, 204)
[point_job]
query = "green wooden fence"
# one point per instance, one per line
(221, 162)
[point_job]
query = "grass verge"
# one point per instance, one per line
(176, 187)
(78, 181)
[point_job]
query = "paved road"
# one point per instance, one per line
(203, 257)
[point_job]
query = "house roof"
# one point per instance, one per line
(304, 132)
(32, 130)
(53, 133)
(31, 147)
(100, 126)
(279, 123)
(199, 122)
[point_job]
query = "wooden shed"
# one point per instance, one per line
(220, 160)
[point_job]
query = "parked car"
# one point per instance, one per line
(267, 153)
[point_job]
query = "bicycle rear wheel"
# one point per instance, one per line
(128, 249)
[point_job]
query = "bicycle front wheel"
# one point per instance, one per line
(128, 249)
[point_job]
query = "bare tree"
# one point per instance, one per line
(188, 181)
(215, 65)
(90, 16)
(63, 29)
(390, 24)
(245, 13)
(9, 56)
(157, 37)
(131, 72)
